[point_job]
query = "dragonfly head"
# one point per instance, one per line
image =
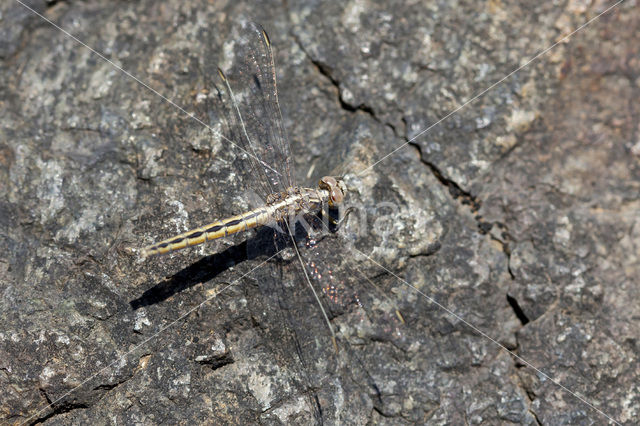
(336, 188)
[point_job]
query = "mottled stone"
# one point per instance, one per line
(511, 223)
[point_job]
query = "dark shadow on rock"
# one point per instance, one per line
(208, 268)
(262, 244)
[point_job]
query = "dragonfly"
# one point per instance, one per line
(255, 118)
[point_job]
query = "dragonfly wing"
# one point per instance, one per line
(358, 308)
(361, 308)
(253, 112)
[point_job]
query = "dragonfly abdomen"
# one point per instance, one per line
(277, 208)
(218, 229)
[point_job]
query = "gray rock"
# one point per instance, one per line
(511, 224)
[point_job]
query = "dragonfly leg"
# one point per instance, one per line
(338, 223)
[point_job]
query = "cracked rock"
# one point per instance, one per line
(509, 223)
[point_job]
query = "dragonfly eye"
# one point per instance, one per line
(336, 195)
(330, 184)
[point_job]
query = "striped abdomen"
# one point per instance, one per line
(221, 228)
(302, 199)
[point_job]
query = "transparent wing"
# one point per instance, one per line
(254, 116)
(358, 307)
(364, 308)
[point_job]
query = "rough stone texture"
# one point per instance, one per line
(519, 213)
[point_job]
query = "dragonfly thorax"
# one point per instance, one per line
(295, 199)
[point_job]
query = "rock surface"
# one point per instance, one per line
(513, 223)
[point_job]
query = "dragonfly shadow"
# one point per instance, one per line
(207, 269)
